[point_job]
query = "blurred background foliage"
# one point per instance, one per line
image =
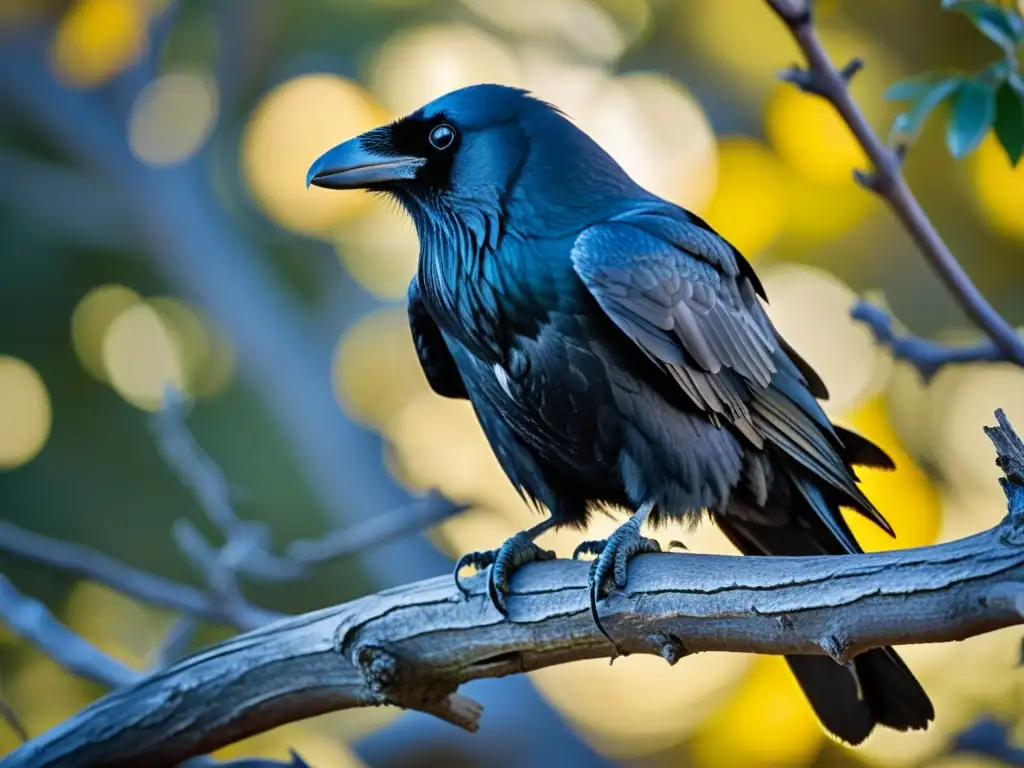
(96, 316)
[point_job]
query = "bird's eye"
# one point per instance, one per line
(442, 136)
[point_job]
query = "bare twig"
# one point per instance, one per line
(33, 622)
(928, 357)
(415, 516)
(92, 565)
(990, 738)
(413, 646)
(246, 543)
(886, 177)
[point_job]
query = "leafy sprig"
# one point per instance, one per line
(991, 99)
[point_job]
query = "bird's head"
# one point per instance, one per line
(479, 147)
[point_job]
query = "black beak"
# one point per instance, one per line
(350, 166)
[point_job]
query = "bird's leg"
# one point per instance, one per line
(504, 561)
(610, 567)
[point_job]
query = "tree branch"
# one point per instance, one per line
(33, 622)
(413, 646)
(928, 357)
(990, 738)
(418, 515)
(886, 178)
(89, 564)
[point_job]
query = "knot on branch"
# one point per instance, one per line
(836, 647)
(391, 679)
(823, 83)
(670, 647)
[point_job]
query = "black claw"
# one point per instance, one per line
(589, 548)
(478, 560)
(504, 561)
(611, 567)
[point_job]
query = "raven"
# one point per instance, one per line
(616, 352)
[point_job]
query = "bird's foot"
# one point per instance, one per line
(504, 561)
(610, 568)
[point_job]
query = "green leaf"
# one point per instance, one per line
(1009, 122)
(913, 88)
(925, 98)
(973, 110)
(1002, 26)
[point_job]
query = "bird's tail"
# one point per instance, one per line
(877, 688)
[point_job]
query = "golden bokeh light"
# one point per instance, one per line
(811, 137)
(640, 705)
(905, 497)
(767, 722)
(25, 413)
(750, 204)
(141, 357)
(202, 361)
(439, 443)
(293, 125)
(420, 64)
(966, 680)
(173, 117)
(380, 249)
(964, 452)
(999, 188)
(375, 368)
(207, 358)
(554, 76)
(819, 213)
(42, 694)
(966, 760)
(116, 624)
(90, 320)
(749, 44)
(97, 39)
(305, 739)
(811, 309)
(584, 26)
(659, 134)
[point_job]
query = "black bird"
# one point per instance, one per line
(616, 352)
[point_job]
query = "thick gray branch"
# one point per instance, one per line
(414, 645)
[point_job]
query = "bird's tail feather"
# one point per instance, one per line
(877, 688)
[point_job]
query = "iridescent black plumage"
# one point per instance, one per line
(616, 353)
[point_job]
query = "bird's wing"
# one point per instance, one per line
(678, 291)
(689, 300)
(435, 358)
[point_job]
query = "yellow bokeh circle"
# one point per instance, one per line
(767, 722)
(25, 413)
(750, 204)
(1000, 189)
(96, 39)
(173, 117)
(905, 497)
(90, 320)
(811, 137)
(293, 125)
